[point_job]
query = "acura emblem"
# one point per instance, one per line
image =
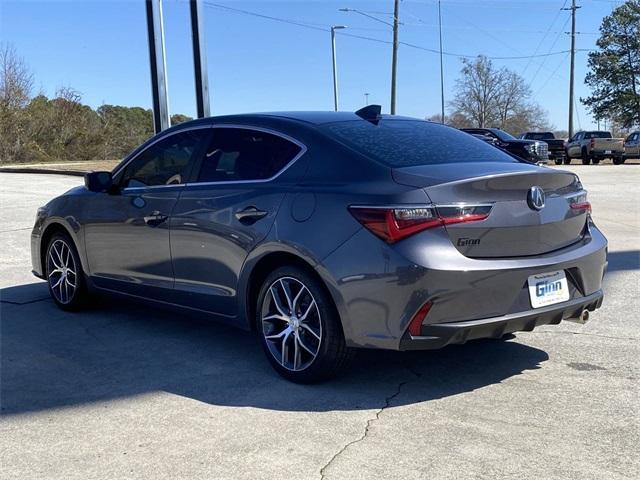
(535, 198)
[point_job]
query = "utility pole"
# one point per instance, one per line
(441, 64)
(335, 65)
(366, 99)
(394, 58)
(573, 9)
(199, 59)
(158, 66)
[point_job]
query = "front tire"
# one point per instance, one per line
(595, 161)
(64, 273)
(567, 160)
(618, 160)
(299, 327)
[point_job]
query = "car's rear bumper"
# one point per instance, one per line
(442, 334)
(600, 154)
(379, 288)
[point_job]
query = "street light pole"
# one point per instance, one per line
(394, 57)
(441, 65)
(335, 65)
(366, 99)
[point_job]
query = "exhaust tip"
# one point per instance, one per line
(584, 316)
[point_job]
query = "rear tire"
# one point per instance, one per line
(67, 285)
(299, 327)
(595, 161)
(585, 157)
(558, 161)
(618, 160)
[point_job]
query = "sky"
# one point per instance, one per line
(256, 64)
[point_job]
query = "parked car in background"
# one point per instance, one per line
(632, 146)
(329, 231)
(533, 151)
(556, 146)
(591, 147)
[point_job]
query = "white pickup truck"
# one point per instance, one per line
(595, 146)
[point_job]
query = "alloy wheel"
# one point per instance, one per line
(61, 270)
(291, 323)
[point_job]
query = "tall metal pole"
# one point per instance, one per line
(573, 9)
(199, 59)
(366, 99)
(158, 66)
(335, 67)
(441, 64)
(394, 57)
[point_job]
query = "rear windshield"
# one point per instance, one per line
(406, 143)
(539, 136)
(597, 135)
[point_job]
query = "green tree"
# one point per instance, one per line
(614, 75)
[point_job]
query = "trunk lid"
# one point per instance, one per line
(514, 228)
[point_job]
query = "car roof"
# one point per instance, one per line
(311, 117)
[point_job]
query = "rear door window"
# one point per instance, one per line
(239, 154)
(406, 143)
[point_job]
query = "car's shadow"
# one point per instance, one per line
(50, 358)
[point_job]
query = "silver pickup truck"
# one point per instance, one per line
(595, 146)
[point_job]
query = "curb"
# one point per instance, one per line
(75, 173)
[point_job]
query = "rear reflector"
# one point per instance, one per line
(581, 206)
(415, 325)
(392, 224)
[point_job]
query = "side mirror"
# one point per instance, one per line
(99, 182)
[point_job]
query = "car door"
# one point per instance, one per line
(127, 230)
(226, 211)
(573, 147)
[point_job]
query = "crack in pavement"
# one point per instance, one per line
(588, 335)
(387, 404)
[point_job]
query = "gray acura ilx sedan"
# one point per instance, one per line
(326, 231)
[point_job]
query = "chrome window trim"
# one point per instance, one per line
(303, 150)
(122, 166)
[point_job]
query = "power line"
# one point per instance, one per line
(322, 28)
(553, 22)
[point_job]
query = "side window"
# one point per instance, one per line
(238, 154)
(165, 163)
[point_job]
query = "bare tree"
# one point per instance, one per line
(478, 91)
(16, 80)
(16, 83)
(488, 97)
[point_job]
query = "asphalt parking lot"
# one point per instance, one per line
(123, 391)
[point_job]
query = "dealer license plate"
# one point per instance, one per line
(607, 151)
(548, 288)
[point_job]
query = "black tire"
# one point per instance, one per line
(618, 160)
(326, 338)
(585, 157)
(558, 161)
(566, 160)
(595, 161)
(65, 278)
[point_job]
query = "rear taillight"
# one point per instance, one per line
(579, 203)
(394, 223)
(415, 325)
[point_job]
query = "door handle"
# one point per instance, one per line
(155, 219)
(250, 214)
